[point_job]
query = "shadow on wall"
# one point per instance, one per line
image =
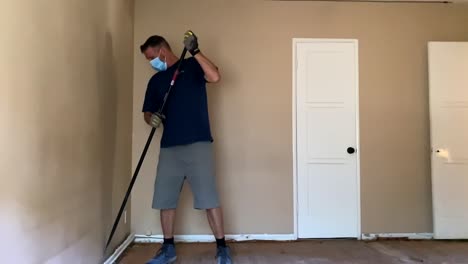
(107, 102)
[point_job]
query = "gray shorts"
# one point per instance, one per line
(193, 163)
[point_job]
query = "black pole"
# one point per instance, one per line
(142, 157)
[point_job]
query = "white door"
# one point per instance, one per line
(326, 80)
(448, 82)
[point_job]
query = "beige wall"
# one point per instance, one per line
(65, 130)
(251, 114)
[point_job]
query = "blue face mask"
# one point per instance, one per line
(158, 64)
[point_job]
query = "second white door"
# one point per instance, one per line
(326, 83)
(448, 83)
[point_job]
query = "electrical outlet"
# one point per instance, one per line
(125, 216)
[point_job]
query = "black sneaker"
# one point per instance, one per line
(223, 255)
(165, 255)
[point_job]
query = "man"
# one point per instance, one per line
(186, 144)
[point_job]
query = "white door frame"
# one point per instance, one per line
(294, 124)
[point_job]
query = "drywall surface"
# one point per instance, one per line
(65, 136)
(251, 108)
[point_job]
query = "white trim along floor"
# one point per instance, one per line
(121, 249)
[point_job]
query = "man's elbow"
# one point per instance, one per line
(215, 78)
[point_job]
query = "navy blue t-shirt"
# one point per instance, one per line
(186, 108)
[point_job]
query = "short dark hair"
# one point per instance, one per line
(154, 41)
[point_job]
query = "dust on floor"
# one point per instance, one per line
(315, 251)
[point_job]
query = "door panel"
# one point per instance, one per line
(326, 89)
(448, 82)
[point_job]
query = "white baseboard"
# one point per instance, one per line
(210, 238)
(412, 236)
(112, 258)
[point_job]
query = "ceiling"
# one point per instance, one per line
(389, 1)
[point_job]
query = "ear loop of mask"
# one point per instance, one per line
(159, 56)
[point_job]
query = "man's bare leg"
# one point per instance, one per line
(167, 222)
(215, 218)
(167, 252)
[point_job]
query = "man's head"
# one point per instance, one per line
(156, 46)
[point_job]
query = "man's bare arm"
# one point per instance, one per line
(147, 117)
(211, 71)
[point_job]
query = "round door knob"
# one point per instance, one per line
(351, 150)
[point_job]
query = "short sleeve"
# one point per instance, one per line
(197, 70)
(150, 101)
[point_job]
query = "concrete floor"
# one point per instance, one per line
(317, 252)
